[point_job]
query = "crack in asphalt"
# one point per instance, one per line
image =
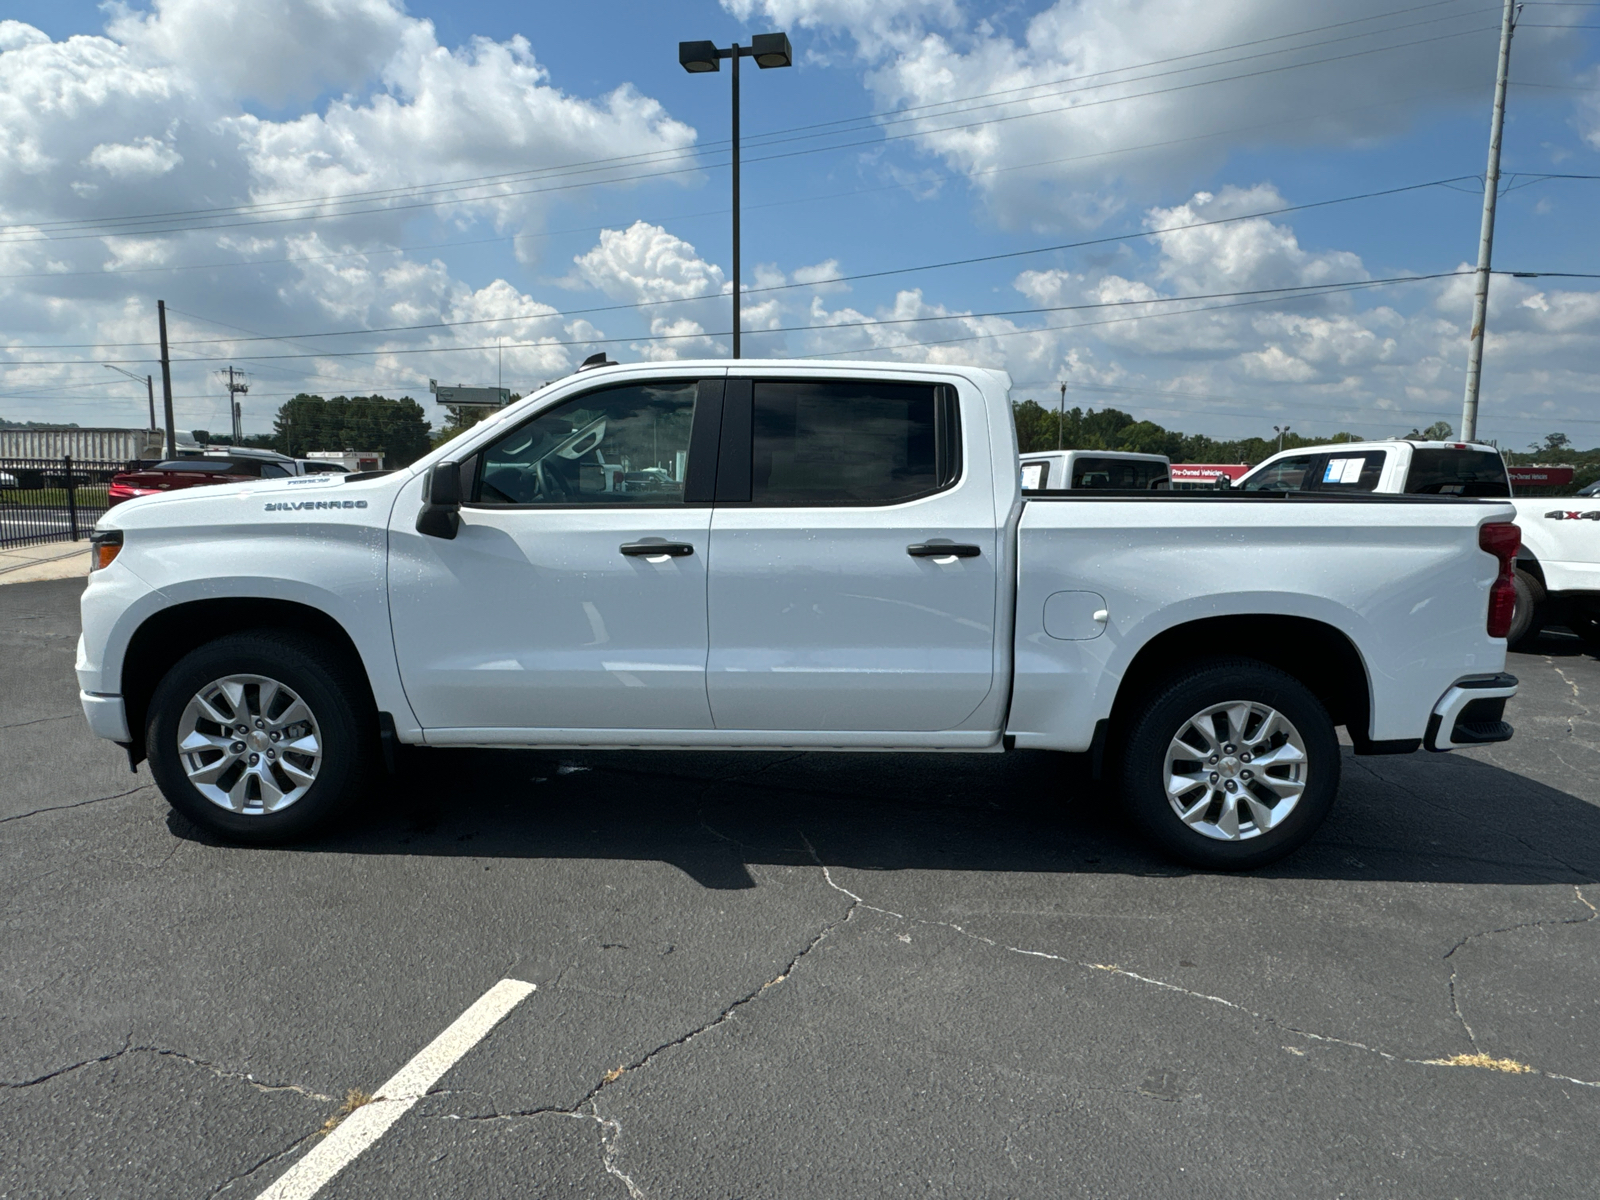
(38, 721)
(259, 1164)
(1477, 1060)
(1455, 1004)
(77, 804)
(611, 1129)
(128, 1047)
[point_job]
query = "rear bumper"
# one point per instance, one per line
(1471, 713)
(107, 716)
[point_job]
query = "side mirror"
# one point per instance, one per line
(441, 501)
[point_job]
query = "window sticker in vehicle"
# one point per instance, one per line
(1343, 470)
(1033, 476)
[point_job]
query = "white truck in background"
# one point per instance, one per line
(776, 554)
(1124, 470)
(1558, 565)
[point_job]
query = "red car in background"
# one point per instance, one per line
(177, 473)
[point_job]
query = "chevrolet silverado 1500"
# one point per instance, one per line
(762, 554)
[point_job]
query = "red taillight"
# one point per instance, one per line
(1503, 540)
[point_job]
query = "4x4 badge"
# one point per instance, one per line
(1561, 514)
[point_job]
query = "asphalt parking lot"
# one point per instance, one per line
(787, 975)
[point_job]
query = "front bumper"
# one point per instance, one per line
(1471, 713)
(108, 718)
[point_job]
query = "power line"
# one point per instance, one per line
(1001, 256)
(525, 174)
(965, 175)
(1287, 294)
(996, 334)
(890, 137)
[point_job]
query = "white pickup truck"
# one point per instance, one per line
(764, 554)
(1558, 566)
(1045, 470)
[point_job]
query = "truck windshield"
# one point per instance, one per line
(1454, 472)
(1122, 473)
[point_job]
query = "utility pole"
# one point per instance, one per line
(1491, 193)
(166, 381)
(1061, 413)
(235, 383)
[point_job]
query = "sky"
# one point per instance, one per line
(1220, 216)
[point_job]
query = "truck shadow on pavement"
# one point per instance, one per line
(1422, 818)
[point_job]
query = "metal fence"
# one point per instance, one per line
(52, 499)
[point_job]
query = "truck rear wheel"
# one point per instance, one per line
(255, 736)
(1527, 615)
(1231, 765)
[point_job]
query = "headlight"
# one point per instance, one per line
(104, 546)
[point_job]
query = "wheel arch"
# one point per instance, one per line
(1319, 655)
(169, 633)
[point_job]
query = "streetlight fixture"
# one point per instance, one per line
(769, 50)
(1282, 431)
(149, 386)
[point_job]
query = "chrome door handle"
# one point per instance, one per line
(657, 549)
(942, 550)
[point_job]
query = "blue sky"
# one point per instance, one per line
(1116, 119)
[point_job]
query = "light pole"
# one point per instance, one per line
(149, 387)
(1061, 413)
(769, 50)
(1282, 431)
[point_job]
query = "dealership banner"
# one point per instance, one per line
(1539, 477)
(1205, 472)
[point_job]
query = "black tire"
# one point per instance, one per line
(337, 697)
(1167, 713)
(1527, 617)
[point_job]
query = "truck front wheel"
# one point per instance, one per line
(1231, 765)
(256, 737)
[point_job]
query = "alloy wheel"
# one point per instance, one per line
(249, 744)
(1235, 770)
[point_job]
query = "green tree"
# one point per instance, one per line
(398, 429)
(1554, 443)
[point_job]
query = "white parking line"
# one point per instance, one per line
(391, 1101)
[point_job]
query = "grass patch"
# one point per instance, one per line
(1509, 1065)
(353, 1099)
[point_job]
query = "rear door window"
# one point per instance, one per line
(1451, 472)
(1035, 476)
(849, 441)
(1357, 472)
(1092, 471)
(1285, 475)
